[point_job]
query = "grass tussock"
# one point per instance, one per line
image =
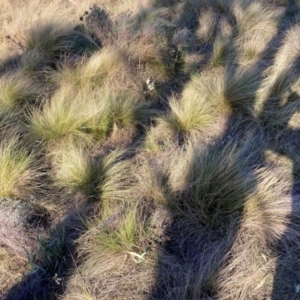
(193, 112)
(237, 89)
(76, 170)
(207, 23)
(56, 41)
(87, 117)
(278, 94)
(106, 65)
(209, 184)
(251, 15)
(18, 91)
(121, 241)
(262, 231)
(19, 173)
(221, 51)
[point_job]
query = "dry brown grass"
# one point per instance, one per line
(264, 223)
(12, 268)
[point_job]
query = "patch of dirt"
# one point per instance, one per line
(21, 222)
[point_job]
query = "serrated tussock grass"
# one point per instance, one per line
(252, 46)
(127, 109)
(11, 123)
(63, 115)
(76, 170)
(55, 41)
(278, 95)
(221, 51)
(261, 207)
(266, 215)
(88, 115)
(146, 42)
(210, 185)
(152, 181)
(128, 233)
(121, 240)
(227, 89)
(18, 91)
(251, 15)
(237, 88)
(194, 111)
(19, 173)
(103, 66)
(32, 63)
(80, 294)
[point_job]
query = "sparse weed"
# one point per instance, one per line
(147, 43)
(98, 25)
(129, 236)
(50, 260)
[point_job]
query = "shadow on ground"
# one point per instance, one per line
(193, 254)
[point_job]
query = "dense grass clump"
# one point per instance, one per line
(103, 66)
(59, 117)
(55, 41)
(18, 91)
(18, 172)
(211, 182)
(194, 111)
(76, 170)
(87, 117)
